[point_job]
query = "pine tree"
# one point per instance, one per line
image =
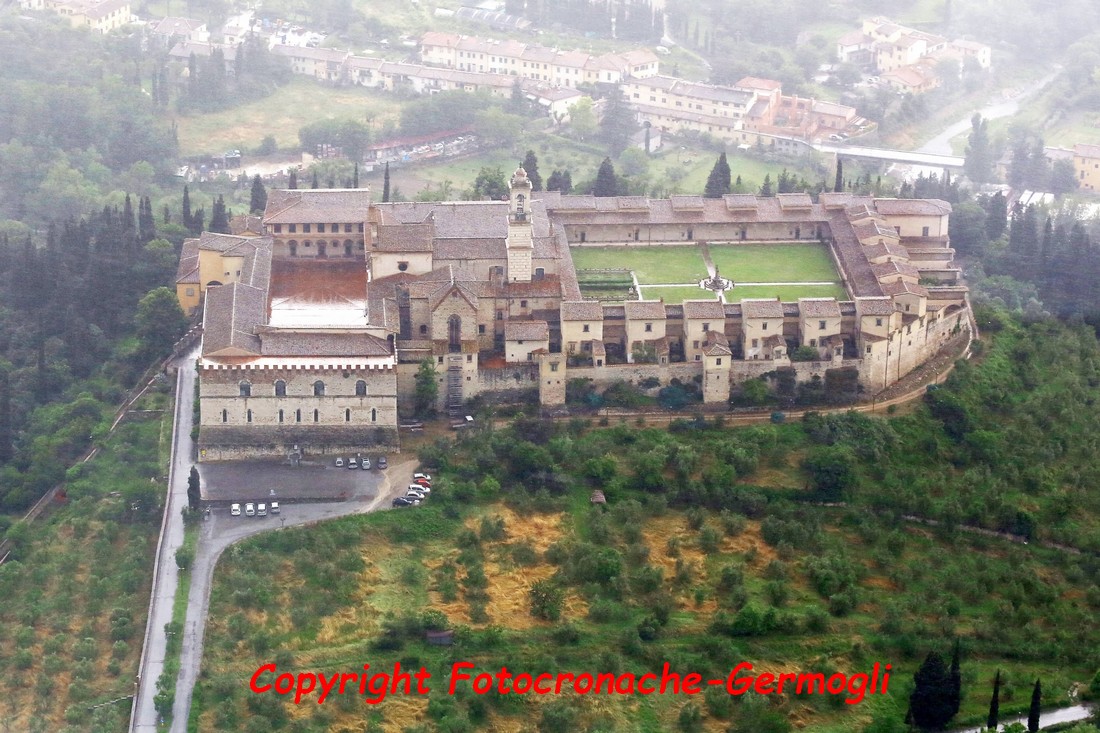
(258, 201)
(1033, 712)
(386, 185)
(838, 184)
(930, 703)
(187, 217)
(219, 219)
(553, 183)
(956, 681)
(718, 182)
(531, 166)
(993, 718)
(766, 189)
(292, 183)
(606, 183)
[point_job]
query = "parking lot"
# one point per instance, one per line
(258, 480)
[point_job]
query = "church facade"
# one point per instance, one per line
(314, 330)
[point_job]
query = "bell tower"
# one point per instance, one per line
(520, 243)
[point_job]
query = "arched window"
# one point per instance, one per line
(225, 415)
(280, 388)
(454, 334)
(373, 415)
(246, 389)
(316, 416)
(360, 388)
(318, 388)
(519, 205)
(347, 414)
(280, 415)
(249, 416)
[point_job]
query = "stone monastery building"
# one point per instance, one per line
(314, 331)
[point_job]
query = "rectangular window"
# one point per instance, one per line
(292, 228)
(813, 342)
(523, 304)
(878, 321)
(821, 325)
(305, 228)
(648, 327)
(695, 344)
(469, 358)
(868, 348)
(585, 328)
(764, 327)
(190, 291)
(347, 228)
(755, 343)
(481, 328)
(553, 366)
(706, 326)
(278, 228)
(320, 228)
(718, 361)
(698, 357)
(924, 232)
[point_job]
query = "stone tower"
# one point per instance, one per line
(551, 379)
(521, 245)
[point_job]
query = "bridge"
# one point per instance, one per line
(933, 160)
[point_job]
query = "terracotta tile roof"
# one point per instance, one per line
(641, 310)
(279, 342)
(717, 344)
(404, 238)
(912, 207)
(188, 270)
(752, 82)
(774, 340)
(328, 55)
(869, 229)
(696, 90)
(320, 205)
(1084, 150)
(819, 308)
(176, 26)
(526, 331)
(739, 201)
(794, 200)
(761, 309)
(899, 287)
(893, 269)
(470, 249)
(832, 200)
(245, 224)
(875, 251)
(703, 309)
(686, 203)
(233, 312)
(852, 256)
(874, 306)
(584, 310)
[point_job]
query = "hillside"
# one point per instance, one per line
(708, 553)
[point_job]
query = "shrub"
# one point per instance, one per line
(709, 540)
(546, 599)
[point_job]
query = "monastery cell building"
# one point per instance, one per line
(314, 330)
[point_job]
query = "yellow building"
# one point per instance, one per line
(1086, 162)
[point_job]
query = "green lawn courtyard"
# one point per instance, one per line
(788, 271)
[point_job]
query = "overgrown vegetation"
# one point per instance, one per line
(711, 550)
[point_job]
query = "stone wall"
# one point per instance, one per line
(230, 442)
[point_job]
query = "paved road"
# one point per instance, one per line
(1046, 719)
(166, 574)
(222, 530)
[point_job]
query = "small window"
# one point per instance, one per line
(316, 416)
(481, 328)
(540, 273)
(718, 361)
(821, 325)
(190, 291)
(305, 228)
(278, 228)
(695, 344)
(868, 348)
(924, 232)
(423, 330)
(318, 388)
(320, 228)
(280, 415)
(755, 343)
(402, 266)
(248, 415)
(441, 360)
(360, 388)
(347, 229)
(553, 366)
(292, 228)
(500, 315)
(280, 388)
(585, 328)
(297, 416)
(225, 415)
(246, 389)
(706, 326)
(878, 321)
(764, 327)
(347, 414)
(813, 342)
(373, 415)
(523, 304)
(698, 357)
(649, 328)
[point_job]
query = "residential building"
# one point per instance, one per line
(102, 16)
(1086, 164)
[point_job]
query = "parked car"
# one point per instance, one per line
(274, 507)
(339, 462)
(235, 510)
(250, 510)
(405, 501)
(261, 510)
(352, 463)
(422, 482)
(426, 488)
(422, 475)
(413, 493)
(366, 464)
(382, 462)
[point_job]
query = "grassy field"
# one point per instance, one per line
(674, 294)
(786, 293)
(768, 263)
(281, 115)
(671, 265)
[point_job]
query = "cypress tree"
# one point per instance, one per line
(606, 183)
(293, 182)
(258, 201)
(219, 219)
(956, 681)
(566, 182)
(193, 495)
(838, 184)
(147, 225)
(994, 704)
(718, 182)
(531, 166)
(314, 183)
(128, 222)
(1033, 712)
(386, 185)
(355, 176)
(766, 189)
(187, 222)
(930, 704)
(5, 413)
(553, 183)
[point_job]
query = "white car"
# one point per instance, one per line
(339, 462)
(250, 510)
(352, 463)
(261, 510)
(235, 510)
(365, 464)
(274, 507)
(424, 476)
(420, 488)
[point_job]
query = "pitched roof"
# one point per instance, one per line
(526, 331)
(912, 207)
(584, 310)
(900, 286)
(761, 309)
(232, 315)
(638, 310)
(894, 268)
(819, 307)
(1084, 150)
(281, 342)
(176, 26)
(716, 344)
(322, 205)
(874, 306)
(700, 309)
